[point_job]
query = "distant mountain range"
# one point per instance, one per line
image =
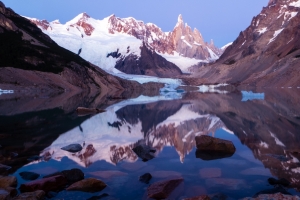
(132, 46)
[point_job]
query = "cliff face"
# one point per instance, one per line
(31, 60)
(266, 53)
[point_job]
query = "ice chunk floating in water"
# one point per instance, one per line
(252, 96)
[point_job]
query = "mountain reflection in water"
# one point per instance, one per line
(265, 132)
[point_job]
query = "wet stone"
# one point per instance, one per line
(8, 181)
(145, 178)
(208, 143)
(87, 185)
(162, 189)
(73, 148)
(29, 176)
(281, 181)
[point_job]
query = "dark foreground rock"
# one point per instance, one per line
(162, 189)
(277, 196)
(4, 168)
(208, 143)
(275, 190)
(88, 111)
(87, 185)
(36, 195)
(98, 197)
(7, 193)
(281, 181)
(72, 175)
(46, 184)
(29, 176)
(73, 148)
(145, 178)
(8, 181)
(144, 152)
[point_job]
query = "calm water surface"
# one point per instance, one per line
(264, 129)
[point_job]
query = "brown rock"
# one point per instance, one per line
(37, 195)
(202, 197)
(46, 184)
(11, 191)
(162, 189)
(209, 143)
(210, 172)
(277, 196)
(8, 181)
(88, 111)
(87, 185)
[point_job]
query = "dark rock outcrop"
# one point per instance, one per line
(72, 175)
(149, 63)
(145, 178)
(36, 195)
(29, 176)
(144, 152)
(8, 181)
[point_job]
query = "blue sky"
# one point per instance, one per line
(220, 20)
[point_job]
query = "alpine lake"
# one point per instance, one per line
(264, 127)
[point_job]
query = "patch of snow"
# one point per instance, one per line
(262, 30)
(212, 88)
(196, 43)
(226, 45)
(6, 91)
(276, 33)
(227, 130)
(184, 63)
(187, 43)
(213, 56)
(277, 141)
(295, 4)
(264, 145)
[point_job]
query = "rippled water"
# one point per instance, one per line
(265, 131)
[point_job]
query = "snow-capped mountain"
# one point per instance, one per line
(105, 42)
(267, 52)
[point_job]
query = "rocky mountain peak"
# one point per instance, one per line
(180, 19)
(2, 8)
(42, 24)
(81, 22)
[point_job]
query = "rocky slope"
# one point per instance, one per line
(266, 53)
(32, 62)
(106, 42)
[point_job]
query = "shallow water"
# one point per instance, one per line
(266, 133)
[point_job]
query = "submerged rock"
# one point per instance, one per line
(162, 189)
(73, 148)
(29, 176)
(72, 175)
(144, 152)
(88, 111)
(8, 181)
(208, 143)
(87, 185)
(145, 178)
(281, 181)
(36, 195)
(278, 189)
(45, 184)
